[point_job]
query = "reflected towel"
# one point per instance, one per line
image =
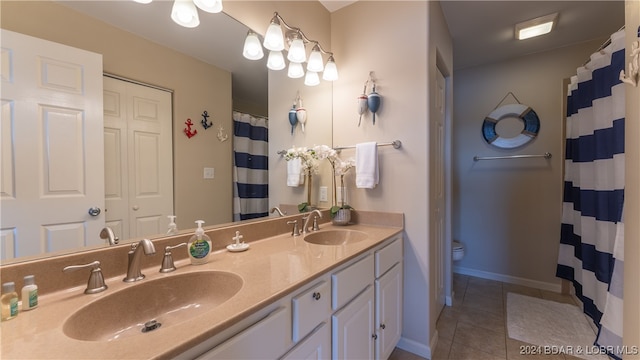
(295, 177)
(367, 165)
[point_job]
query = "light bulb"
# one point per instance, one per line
(184, 13)
(210, 6)
(315, 60)
(295, 70)
(297, 52)
(143, 1)
(275, 60)
(312, 78)
(330, 70)
(273, 39)
(252, 48)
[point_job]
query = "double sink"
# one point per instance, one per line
(152, 305)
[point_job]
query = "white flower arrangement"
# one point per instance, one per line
(308, 157)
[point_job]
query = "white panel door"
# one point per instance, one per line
(353, 332)
(138, 158)
(52, 161)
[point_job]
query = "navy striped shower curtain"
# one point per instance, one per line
(592, 233)
(251, 166)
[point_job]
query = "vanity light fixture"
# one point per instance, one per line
(252, 48)
(274, 41)
(184, 12)
(536, 27)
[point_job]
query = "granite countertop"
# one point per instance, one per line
(273, 267)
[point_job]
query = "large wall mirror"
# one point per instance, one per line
(141, 43)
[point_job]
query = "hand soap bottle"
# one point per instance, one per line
(172, 229)
(199, 246)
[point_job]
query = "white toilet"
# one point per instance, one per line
(458, 251)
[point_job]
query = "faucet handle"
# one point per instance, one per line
(167, 261)
(295, 231)
(96, 279)
(315, 223)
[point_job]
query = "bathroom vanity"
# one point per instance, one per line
(286, 297)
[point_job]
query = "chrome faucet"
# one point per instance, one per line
(107, 234)
(305, 228)
(274, 209)
(135, 254)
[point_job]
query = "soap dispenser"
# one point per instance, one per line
(199, 246)
(173, 227)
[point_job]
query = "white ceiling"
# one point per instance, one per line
(482, 31)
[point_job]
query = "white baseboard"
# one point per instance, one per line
(555, 287)
(415, 347)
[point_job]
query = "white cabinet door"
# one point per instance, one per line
(353, 331)
(388, 311)
(52, 145)
(267, 339)
(316, 346)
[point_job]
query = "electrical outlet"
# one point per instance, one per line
(209, 173)
(323, 193)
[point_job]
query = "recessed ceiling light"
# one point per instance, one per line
(536, 27)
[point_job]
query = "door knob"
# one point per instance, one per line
(94, 211)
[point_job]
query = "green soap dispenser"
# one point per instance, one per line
(199, 246)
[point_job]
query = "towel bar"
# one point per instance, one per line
(546, 155)
(397, 144)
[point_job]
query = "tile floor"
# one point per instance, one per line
(475, 326)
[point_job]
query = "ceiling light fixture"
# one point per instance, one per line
(274, 41)
(536, 27)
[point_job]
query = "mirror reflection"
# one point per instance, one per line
(134, 41)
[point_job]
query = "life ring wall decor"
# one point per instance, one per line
(525, 113)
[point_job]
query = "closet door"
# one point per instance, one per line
(138, 158)
(52, 147)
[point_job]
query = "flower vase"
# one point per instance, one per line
(343, 216)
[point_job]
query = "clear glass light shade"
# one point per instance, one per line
(315, 60)
(252, 48)
(273, 39)
(275, 60)
(143, 1)
(295, 70)
(311, 78)
(211, 6)
(184, 13)
(297, 52)
(330, 70)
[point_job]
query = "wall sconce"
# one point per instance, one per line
(184, 12)
(274, 41)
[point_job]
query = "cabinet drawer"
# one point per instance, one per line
(388, 256)
(349, 282)
(269, 338)
(310, 308)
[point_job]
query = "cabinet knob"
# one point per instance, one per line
(382, 326)
(375, 336)
(316, 295)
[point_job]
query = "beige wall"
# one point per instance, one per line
(196, 87)
(507, 213)
(632, 194)
(390, 39)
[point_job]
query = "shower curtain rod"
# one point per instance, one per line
(604, 45)
(254, 115)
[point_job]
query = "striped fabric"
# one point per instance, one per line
(592, 232)
(251, 167)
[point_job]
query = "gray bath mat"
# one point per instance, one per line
(554, 327)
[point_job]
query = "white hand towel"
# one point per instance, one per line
(295, 177)
(367, 165)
